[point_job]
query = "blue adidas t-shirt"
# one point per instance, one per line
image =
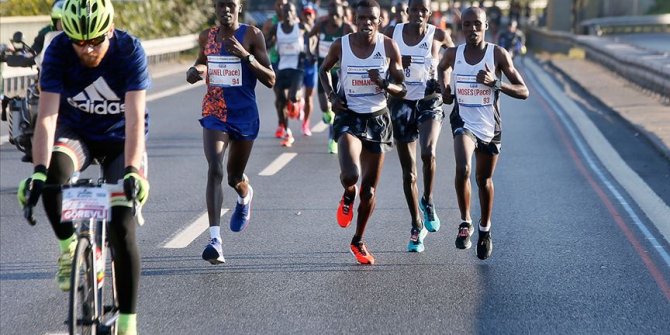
(93, 99)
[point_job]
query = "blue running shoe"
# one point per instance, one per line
(430, 218)
(416, 240)
(240, 218)
(213, 252)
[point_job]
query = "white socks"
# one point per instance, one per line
(485, 229)
(247, 199)
(215, 232)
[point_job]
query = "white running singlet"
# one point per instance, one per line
(289, 47)
(362, 94)
(423, 65)
(477, 103)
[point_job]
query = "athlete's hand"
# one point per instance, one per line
(486, 76)
(234, 47)
(406, 61)
(193, 75)
(373, 74)
(32, 187)
(135, 186)
(447, 97)
(339, 104)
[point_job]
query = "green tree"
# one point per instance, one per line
(661, 7)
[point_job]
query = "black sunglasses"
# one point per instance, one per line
(94, 42)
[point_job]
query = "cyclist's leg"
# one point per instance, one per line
(70, 154)
(122, 237)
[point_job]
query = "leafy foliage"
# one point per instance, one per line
(147, 19)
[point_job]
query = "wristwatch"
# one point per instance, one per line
(497, 85)
(249, 59)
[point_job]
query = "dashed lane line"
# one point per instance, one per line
(187, 235)
(278, 164)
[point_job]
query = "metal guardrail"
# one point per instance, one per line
(16, 80)
(627, 25)
(647, 69)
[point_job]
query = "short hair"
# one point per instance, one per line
(368, 4)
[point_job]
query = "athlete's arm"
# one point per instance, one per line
(395, 86)
(516, 87)
(45, 128)
(332, 58)
(271, 36)
(444, 75)
(195, 72)
(443, 38)
(261, 67)
(315, 30)
(135, 102)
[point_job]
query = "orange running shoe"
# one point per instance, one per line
(345, 211)
(280, 132)
(360, 251)
(293, 109)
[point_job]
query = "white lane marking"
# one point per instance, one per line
(278, 164)
(319, 127)
(4, 138)
(174, 90)
(650, 203)
(64, 333)
(187, 235)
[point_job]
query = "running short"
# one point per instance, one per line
(289, 79)
(83, 153)
(239, 131)
(374, 129)
(406, 116)
(311, 75)
(458, 128)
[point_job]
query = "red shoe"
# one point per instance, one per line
(345, 211)
(293, 109)
(360, 251)
(279, 133)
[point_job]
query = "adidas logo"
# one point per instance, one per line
(423, 45)
(97, 98)
(378, 55)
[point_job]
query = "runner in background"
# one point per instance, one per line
(308, 19)
(329, 29)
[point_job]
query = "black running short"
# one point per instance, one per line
(374, 129)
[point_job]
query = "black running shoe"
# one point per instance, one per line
(464, 233)
(484, 245)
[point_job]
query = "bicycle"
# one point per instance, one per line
(93, 306)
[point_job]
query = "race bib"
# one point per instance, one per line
(224, 71)
(359, 84)
(471, 93)
(85, 203)
(289, 49)
(416, 74)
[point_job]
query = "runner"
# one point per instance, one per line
(475, 120)
(308, 19)
(232, 57)
(289, 37)
(419, 114)
(92, 108)
(362, 123)
(328, 30)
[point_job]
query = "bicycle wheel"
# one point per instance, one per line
(81, 311)
(109, 302)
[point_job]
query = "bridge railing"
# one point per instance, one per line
(16, 80)
(627, 25)
(647, 68)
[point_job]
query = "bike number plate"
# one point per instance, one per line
(85, 203)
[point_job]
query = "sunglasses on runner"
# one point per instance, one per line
(94, 42)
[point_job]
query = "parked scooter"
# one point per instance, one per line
(20, 112)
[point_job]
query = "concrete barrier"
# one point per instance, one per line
(647, 68)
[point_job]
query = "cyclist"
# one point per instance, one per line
(475, 120)
(55, 25)
(362, 123)
(230, 114)
(418, 115)
(92, 108)
(513, 40)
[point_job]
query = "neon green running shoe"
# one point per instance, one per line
(332, 146)
(65, 267)
(328, 117)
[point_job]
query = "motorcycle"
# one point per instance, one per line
(20, 112)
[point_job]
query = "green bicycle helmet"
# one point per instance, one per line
(57, 12)
(87, 19)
